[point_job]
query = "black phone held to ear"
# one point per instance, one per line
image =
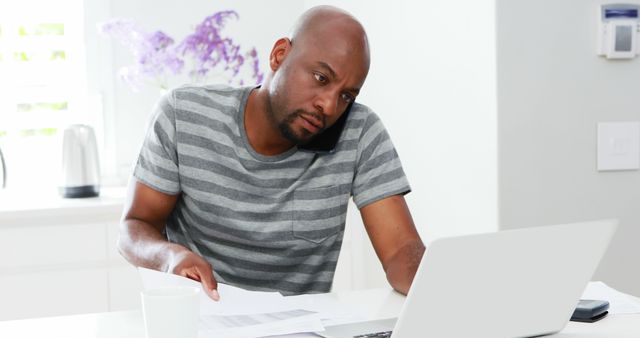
(325, 142)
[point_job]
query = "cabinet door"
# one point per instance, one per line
(124, 281)
(53, 293)
(51, 245)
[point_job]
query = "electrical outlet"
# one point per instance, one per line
(618, 146)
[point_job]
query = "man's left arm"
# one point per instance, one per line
(395, 239)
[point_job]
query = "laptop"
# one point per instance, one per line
(513, 283)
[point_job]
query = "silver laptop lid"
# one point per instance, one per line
(514, 283)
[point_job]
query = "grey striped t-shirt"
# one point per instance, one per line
(263, 222)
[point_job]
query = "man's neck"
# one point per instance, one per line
(262, 132)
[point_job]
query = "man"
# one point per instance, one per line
(248, 187)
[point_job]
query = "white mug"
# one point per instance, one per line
(171, 312)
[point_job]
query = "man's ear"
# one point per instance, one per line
(279, 52)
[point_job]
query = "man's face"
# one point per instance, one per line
(314, 85)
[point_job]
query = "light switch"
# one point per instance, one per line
(618, 146)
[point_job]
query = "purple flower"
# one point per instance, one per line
(255, 63)
(205, 50)
(210, 49)
(152, 52)
(160, 40)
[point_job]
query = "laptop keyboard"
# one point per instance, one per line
(385, 334)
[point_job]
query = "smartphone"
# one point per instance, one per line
(325, 142)
(590, 311)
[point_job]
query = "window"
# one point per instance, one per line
(42, 85)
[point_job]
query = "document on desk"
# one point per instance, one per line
(331, 311)
(258, 325)
(240, 313)
(619, 303)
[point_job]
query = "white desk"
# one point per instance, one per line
(373, 304)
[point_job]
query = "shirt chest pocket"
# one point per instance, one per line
(318, 213)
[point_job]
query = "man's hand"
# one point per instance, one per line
(141, 240)
(188, 264)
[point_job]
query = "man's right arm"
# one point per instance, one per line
(142, 243)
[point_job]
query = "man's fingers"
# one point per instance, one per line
(190, 265)
(215, 295)
(210, 284)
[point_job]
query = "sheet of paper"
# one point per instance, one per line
(259, 325)
(233, 300)
(619, 303)
(241, 313)
(330, 310)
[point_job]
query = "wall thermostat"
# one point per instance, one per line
(618, 32)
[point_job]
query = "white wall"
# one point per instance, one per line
(552, 91)
(432, 81)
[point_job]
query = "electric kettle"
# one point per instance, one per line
(4, 171)
(80, 175)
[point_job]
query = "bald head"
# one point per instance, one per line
(326, 22)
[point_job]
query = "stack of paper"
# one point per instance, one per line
(241, 313)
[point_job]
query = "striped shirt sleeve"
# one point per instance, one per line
(157, 165)
(379, 173)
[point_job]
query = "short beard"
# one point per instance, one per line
(285, 125)
(289, 134)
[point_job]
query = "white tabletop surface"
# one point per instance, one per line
(372, 304)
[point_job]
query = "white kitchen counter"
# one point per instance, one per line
(17, 207)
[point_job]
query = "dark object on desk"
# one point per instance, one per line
(385, 334)
(589, 311)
